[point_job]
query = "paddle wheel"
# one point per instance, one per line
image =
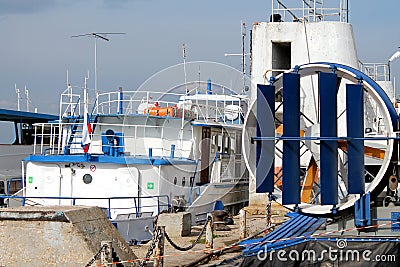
(323, 135)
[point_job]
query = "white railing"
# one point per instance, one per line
(377, 71)
(206, 107)
(50, 140)
(310, 10)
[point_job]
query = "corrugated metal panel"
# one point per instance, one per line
(298, 225)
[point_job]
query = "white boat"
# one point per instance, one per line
(147, 150)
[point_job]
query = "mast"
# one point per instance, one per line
(244, 56)
(96, 35)
(184, 66)
(27, 98)
(18, 91)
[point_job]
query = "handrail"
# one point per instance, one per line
(109, 208)
(311, 11)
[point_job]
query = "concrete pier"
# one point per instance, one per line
(57, 236)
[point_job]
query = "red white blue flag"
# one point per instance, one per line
(86, 132)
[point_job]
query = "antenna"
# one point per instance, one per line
(27, 98)
(95, 35)
(184, 66)
(198, 89)
(18, 91)
(243, 55)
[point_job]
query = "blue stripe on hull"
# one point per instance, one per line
(109, 159)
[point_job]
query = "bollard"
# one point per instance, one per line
(209, 232)
(242, 224)
(159, 251)
(106, 252)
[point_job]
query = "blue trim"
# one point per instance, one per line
(364, 77)
(25, 117)
(362, 211)
(157, 161)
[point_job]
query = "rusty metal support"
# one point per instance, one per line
(159, 251)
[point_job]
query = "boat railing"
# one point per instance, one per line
(377, 71)
(53, 138)
(162, 202)
(310, 11)
(195, 105)
(69, 103)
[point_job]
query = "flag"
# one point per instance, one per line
(86, 131)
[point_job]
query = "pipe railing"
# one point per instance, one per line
(161, 201)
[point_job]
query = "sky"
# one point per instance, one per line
(36, 48)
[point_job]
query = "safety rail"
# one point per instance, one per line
(50, 140)
(160, 202)
(377, 71)
(132, 102)
(128, 102)
(69, 103)
(310, 11)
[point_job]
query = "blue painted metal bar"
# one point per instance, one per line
(120, 102)
(362, 211)
(291, 148)
(355, 129)
(328, 128)
(265, 149)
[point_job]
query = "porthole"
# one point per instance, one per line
(87, 178)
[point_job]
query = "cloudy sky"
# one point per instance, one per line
(36, 48)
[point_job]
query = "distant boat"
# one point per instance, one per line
(12, 154)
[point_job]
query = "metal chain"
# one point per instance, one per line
(150, 251)
(175, 246)
(95, 256)
(269, 214)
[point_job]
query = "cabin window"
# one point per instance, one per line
(87, 178)
(281, 57)
(175, 180)
(219, 143)
(2, 188)
(183, 181)
(214, 143)
(226, 144)
(14, 186)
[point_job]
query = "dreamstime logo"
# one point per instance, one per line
(341, 243)
(332, 254)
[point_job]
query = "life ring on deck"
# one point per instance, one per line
(173, 112)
